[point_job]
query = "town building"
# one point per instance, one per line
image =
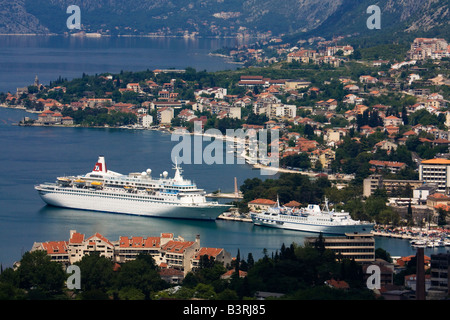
(49, 117)
(175, 255)
(165, 115)
(357, 246)
(392, 166)
(428, 48)
(440, 275)
(146, 120)
(217, 254)
(436, 171)
(376, 181)
(260, 204)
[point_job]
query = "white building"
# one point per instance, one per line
(167, 251)
(436, 171)
(146, 120)
(165, 115)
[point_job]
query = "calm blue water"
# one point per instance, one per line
(32, 155)
(48, 57)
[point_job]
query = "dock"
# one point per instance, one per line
(234, 218)
(225, 195)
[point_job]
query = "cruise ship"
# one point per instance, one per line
(134, 194)
(310, 219)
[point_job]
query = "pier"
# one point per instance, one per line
(225, 195)
(235, 195)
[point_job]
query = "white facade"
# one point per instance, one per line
(436, 171)
(147, 121)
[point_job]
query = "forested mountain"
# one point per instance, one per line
(226, 17)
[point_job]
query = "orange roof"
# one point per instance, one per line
(166, 235)
(386, 163)
(101, 237)
(228, 274)
(292, 204)
(170, 272)
(262, 201)
(177, 246)
(139, 242)
(438, 196)
(53, 247)
(210, 252)
(76, 238)
(339, 284)
(436, 161)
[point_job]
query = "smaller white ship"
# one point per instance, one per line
(311, 219)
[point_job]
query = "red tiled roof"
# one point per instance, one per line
(436, 161)
(210, 252)
(139, 242)
(53, 247)
(262, 201)
(387, 163)
(438, 196)
(101, 237)
(76, 238)
(339, 284)
(228, 274)
(177, 246)
(292, 204)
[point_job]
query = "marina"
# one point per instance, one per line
(417, 237)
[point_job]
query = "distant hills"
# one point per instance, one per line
(242, 18)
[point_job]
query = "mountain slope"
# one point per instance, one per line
(15, 19)
(400, 16)
(228, 17)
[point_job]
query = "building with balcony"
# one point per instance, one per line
(357, 246)
(440, 271)
(168, 252)
(436, 171)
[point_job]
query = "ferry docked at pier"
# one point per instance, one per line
(134, 194)
(310, 219)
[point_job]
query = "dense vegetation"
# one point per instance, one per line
(297, 271)
(100, 117)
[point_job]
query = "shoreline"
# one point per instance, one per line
(99, 35)
(254, 164)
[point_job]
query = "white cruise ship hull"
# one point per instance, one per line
(289, 223)
(123, 204)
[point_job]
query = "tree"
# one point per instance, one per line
(39, 274)
(409, 215)
(96, 272)
(382, 254)
(319, 244)
(442, 216)
(142, 275)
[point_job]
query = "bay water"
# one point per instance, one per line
(32, 155)
(22, 58)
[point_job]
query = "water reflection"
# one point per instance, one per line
(24, 57)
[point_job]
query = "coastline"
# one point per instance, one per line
(255, 165)
(99, 35)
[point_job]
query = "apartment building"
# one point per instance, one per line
(167, 251)
(376, 181)
(436, 171)
(440, 271)
(357, 246)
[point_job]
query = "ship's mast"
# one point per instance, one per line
(326, 205)
(178, 170)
